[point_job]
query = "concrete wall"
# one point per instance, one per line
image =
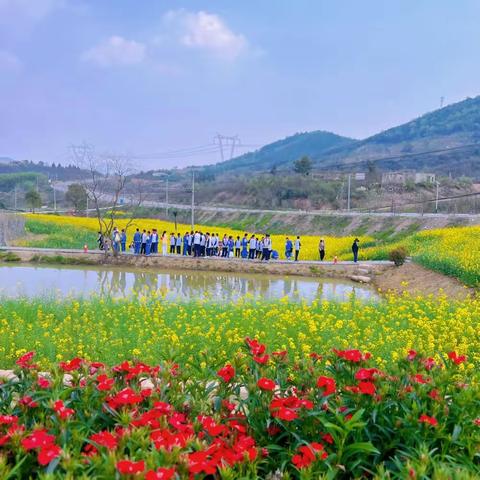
(12, 226)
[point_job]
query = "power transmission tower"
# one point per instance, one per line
(193, 200)
(348, 194)
(442, 99)
(225, 141)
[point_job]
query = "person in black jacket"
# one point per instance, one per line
(355, 250)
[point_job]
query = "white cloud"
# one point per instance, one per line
(8, 61)
(206, 31)
(116, 51)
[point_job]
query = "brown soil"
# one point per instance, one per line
(414, 279)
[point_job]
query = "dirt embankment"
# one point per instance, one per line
(416, 280)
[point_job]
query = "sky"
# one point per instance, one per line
(157, 79)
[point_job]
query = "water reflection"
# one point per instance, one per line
(25, 280)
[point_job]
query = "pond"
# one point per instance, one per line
(84, 281)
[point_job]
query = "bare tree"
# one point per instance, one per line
(109, 176)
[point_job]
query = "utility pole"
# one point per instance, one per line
(193, 200)
(15, 197)
(166, 199)
(348, 191)
(86, 213)
(436, 198)
(442, 99)
(54, 195)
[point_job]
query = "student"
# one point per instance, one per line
(203, 243)
(238, 245)
(196, 244)
(143, 248)
(137, 241)
(123, 240)
(186, 238)
(260, 248)
(321, 249)
(100, 241)
(288, 248)
(164, 243)
(298, 244)
(217, 245)
(131, 247)
(190, 243)
(116, 240)
(154, 238)
(252, 248)
(179, 244)
(355, 250)
(173, 242)
(269, 246)
(244, 252)
(231, 246)
(148, 244)
(225, 246)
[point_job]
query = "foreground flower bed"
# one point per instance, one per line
(262, 415)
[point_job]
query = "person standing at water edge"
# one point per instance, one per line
(238, 245)
(173, 242)
(252, 248)
(137, 241)
(355, 250)
(196, 244)
(123, 240)
(164, 243)
(288, 248)
(154, 237)
(116, 239)
(143, 248)
(100, 241)
(297, 248)
(321, 249)
(186, 239)
(179, 244)
(148, 244)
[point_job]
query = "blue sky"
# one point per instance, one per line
(143, 77)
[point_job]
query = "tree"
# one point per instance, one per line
(77, 196)
(33, 199)
(108, 187)
(303, 165)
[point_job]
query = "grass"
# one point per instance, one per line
(61, 260)
(9, 257)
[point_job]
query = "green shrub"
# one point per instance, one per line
(398, 256)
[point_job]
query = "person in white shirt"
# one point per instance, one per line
(238, 246)
(173, 242)
(252, 248)
(298, 244)
(267, 248)
(197, 238)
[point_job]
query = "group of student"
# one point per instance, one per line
(199, 244)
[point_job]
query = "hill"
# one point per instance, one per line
(439, 141)
(283, 152)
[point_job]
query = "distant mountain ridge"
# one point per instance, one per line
(453, 126)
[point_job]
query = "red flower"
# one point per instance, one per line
(261, 359)
(38, 439)
(105, 439)
(354, 356)
(128, 467)
(105, 383)
(456, 359)
(286, 414)
(28, 402)
(419, 378)
(367, 388)
(411, 355)
(160, 474)
(62, 411)
(8, 419)
(366, 373)
(48, 453)
(328, 384)
(201, 462)
(256, 348)
(327, 438)
(477, 422)
(430, 420)
(280, 355)
(72, 365)
(127, 396)
(307, 454)
(226, 373)
(24, 360)
(434, 394)
(266, 384)
(43, 382)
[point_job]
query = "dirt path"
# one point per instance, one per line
(415, 279)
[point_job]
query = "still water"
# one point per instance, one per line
(85, 281)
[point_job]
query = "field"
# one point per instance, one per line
(199, 400)
(453, 251)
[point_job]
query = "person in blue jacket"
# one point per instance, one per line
(288, 248)
(137, 241)
(148, 244)
(244, 253)
(123, 240)
(231, 246)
